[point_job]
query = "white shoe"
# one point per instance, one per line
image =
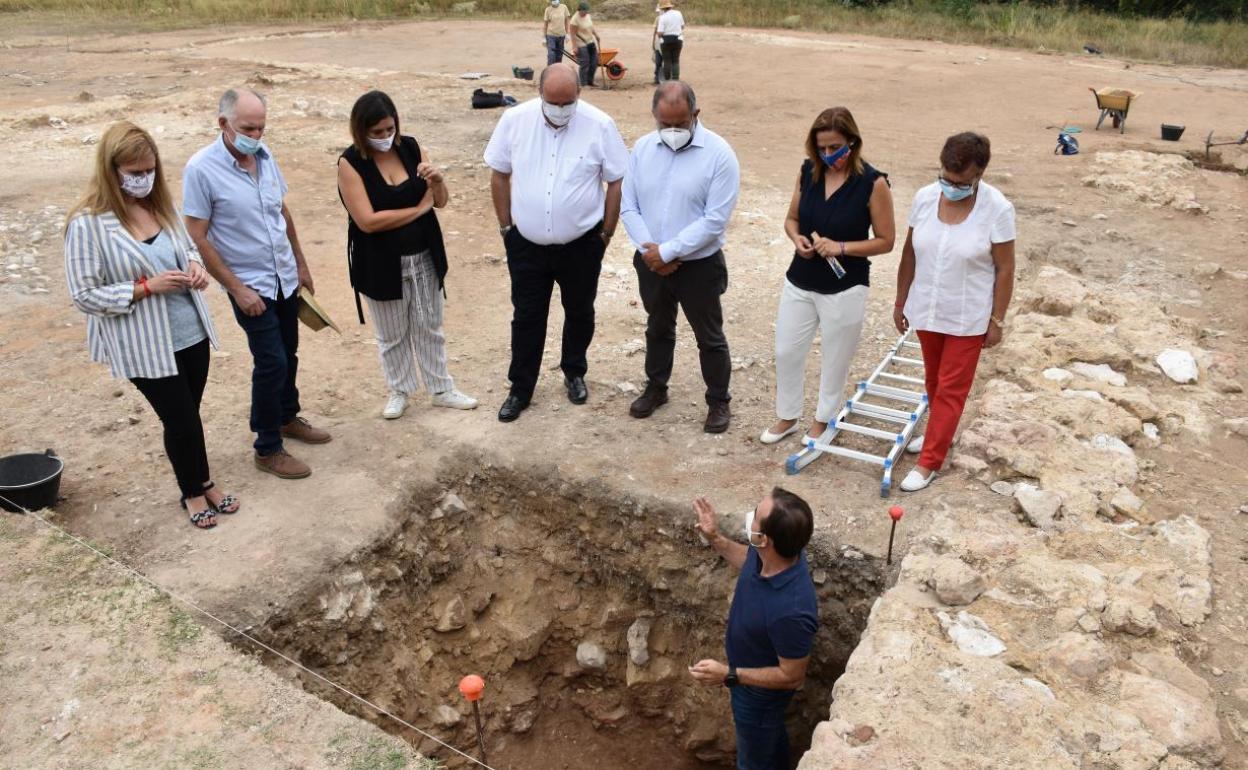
(453, 399)
(915, 446)
(914, 481)
(770, 438)
(395, 407)
(821, 438)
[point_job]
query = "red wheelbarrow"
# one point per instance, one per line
(611, 69)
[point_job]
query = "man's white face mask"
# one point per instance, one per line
(676, 138)
(750, 534)
(558, 115)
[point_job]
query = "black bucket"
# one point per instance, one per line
(524, 73)
(30, 481)
(1171, 133)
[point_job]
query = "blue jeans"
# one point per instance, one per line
(758, 716)
(273, 337)
(554, 48)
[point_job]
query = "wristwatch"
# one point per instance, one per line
(1000, 324)
(504, 230)
(731, 680)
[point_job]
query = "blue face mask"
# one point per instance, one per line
(832, 159)
(245, 144)
(957, 193)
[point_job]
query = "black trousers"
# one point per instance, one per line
(695, 288)
(670, 46)
(176, 402)
(535, 269)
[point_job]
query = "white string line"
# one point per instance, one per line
(244, 634)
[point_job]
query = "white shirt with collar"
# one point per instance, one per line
(680, 200)
(954, 273)
(557, 175)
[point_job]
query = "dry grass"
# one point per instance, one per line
(960, 21)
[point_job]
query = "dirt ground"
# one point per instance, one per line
(760, 90)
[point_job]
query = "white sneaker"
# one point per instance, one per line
(914, 481)
(395, 407)
(453, 399)
(915, 446)
(770, 438)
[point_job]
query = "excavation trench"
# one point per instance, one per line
(581, 608)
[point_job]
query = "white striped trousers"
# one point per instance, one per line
(409, 330)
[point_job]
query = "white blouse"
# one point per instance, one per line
(953, 269)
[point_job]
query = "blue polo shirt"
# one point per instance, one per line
(771, 618)
(244, 214)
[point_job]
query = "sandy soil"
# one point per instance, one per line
(759, 90)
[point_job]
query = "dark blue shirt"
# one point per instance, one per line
(843, 216)
(771, 618)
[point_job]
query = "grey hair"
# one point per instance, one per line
(541, 80)
(664, 93)
(228, 105)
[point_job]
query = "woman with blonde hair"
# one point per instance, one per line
(840, 216)
(133, 270)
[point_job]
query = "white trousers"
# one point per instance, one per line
(838, 319)
(409, 330)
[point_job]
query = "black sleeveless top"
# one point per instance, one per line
(374, 259)
(846, 216)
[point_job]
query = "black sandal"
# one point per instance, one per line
(229, 504)
(209, 515)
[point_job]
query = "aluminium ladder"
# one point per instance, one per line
(901, 389)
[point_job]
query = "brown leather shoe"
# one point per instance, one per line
(301, 430)
(718, 417)
(282, 465)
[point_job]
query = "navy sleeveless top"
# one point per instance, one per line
(845, 216)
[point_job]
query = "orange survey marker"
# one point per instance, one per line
(472, 687)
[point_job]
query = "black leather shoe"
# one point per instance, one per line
(512, 408)
(653, 397)
(577, 392)
(718, 417)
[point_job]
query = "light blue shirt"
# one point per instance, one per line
(244, 214)
(184, 323)
(680, 200)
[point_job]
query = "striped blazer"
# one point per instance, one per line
(102, 262)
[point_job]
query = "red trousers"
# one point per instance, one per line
(949, 368)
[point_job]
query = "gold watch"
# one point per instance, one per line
(1000, 324)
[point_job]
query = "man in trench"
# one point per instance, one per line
(771, 625)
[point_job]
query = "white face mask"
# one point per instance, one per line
(138, 185)
(750, 534)
(381, 145)
(676, 138)
(558, 115)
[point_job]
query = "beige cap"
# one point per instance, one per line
(666, 4)
(312, 314)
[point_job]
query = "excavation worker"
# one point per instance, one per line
(555, 30)
(586, 42)
(679, 193)
(131, 267)
(954, 284)
(233, 198)
(771, 625)
(557, 166)
(671, 29)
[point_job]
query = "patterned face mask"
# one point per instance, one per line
(138, 185)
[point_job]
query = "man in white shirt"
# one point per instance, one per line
(671, 32)
(679, 192)
(551, 157)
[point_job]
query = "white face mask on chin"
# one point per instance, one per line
(558, 115)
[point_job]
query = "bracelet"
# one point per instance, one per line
(842, 248)
(142, 282)
(1000, 324)
(899, 305)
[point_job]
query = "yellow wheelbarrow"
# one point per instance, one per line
(1115, 103)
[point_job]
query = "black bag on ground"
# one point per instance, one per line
(484, 100)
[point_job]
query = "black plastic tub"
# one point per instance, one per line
(30, 481)
(1171, 133)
